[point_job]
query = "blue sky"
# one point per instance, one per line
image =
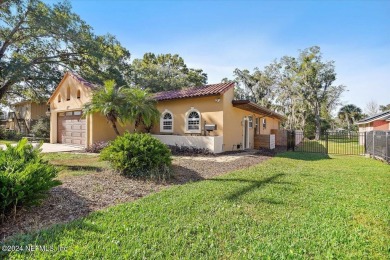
(219, 36)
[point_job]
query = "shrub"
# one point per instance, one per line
(25, 177)
(96, 147)
(11, 135)
(189, 150)
(42, 127)
(2, 132)
(138, 155)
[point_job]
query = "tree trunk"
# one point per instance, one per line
(318, 121)
(115, 128)
(348, 125)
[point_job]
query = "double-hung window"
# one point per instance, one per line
(166, 124)
(193, 120)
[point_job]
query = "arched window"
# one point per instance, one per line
(68, 93)
(59, 98)
(166, 122)
(193, 121)
(78, 94)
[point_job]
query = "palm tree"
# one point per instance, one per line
(142, 108)
(122, 104)
(350, 114)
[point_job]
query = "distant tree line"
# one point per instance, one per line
(299, 87)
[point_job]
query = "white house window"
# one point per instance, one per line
(250, 121)
(264, 123)
(193, 121)
(166, 123)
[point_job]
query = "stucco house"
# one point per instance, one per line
(206, 117)
(377, 122)
(24, 115)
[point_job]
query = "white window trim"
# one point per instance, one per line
(162, 130)
(264, 123)
(187, 131)
(250, 121)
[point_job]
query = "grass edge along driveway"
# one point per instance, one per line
(293, 206)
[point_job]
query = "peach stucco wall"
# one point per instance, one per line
(101, 130)
(210, 110)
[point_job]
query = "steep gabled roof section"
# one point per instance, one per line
(82, 81)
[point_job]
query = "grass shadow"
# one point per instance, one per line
(182, 175)
(304, 156)
(79, 167)
(254, 184)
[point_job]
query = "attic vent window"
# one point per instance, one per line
(78, 94)
(68, 93)
(59, 98)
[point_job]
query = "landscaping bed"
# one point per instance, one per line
(88, 185)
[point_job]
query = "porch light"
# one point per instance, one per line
(217, 100)
(48, 113)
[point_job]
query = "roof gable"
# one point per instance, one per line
(199, 91)
(76, 77)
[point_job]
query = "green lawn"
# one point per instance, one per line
(335, 146)
(72, 164)
(7, 142)
(293, 206)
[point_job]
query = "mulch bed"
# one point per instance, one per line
(80, 195)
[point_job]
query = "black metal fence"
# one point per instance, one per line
(374, 143)
(378, 144)
(347, 143)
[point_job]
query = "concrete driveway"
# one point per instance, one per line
(56, 148)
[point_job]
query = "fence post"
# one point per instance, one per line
(365, 142)
(373, 143)
(387, 147)
(327, 142)
(293, 140)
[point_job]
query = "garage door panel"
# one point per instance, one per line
(75, 134)
(72, 129)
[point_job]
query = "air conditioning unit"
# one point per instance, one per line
(210, 127)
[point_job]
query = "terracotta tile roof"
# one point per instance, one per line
(82, 80)
(255, 108)
(200, 91)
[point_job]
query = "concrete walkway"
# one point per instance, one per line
(55, 148)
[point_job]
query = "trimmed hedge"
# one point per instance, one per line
(138, 155)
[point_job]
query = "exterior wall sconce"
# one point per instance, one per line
(217, 100)
(48, 113)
